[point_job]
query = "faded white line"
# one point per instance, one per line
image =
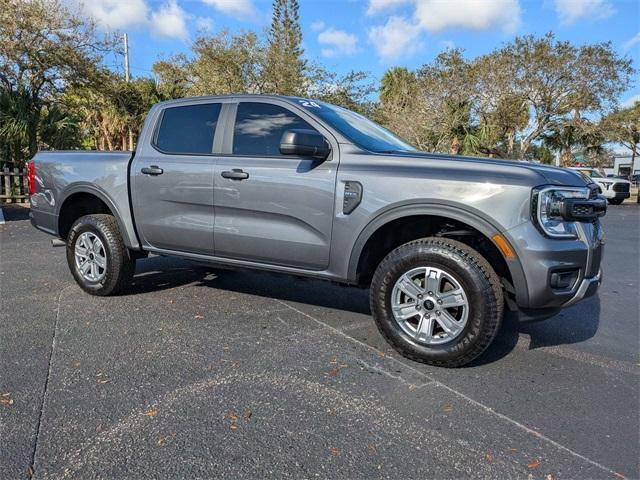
(399, 378)
(34, 458)
(461, 395)
(1, 217)
(357, 325)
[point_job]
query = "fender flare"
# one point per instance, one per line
(459, 212)
(102, 195)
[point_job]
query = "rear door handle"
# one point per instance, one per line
(235, 174)
(152, 170)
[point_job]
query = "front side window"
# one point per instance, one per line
(259, 128)
(188, 129)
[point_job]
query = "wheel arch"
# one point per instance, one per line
(86, 199)
(424, 213)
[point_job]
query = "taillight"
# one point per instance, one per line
(31, 177)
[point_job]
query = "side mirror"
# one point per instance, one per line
(305, 143)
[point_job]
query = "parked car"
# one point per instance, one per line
(303, 187)
(615, 190)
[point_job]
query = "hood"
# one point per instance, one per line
(547, 174)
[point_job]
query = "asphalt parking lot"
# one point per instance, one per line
(198, 372)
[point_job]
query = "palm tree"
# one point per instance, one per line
(15, 114)
(398, 88)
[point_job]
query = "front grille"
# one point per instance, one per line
(621, 187)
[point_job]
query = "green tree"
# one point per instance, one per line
(172, 75)
(398, 89)
(225, 63)
(285, 69)
(44, 47)
(557, 79)
(15, 111)
(623, 126)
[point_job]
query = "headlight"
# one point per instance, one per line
(548, 210)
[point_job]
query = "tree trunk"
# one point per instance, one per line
(565, 158)
(510, 142)
(32, 131)
(454, 146)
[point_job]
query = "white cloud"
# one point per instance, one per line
(170, 21)
(338, 42)
(570, 11)
(317, 26)
(629, 102)
(235, 8)
(400, 35)
(437, 15)
(114, 14)
(632, 42)
(397, 38)
(376, 6)
(204, 24)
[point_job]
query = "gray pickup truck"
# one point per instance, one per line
(306, 188)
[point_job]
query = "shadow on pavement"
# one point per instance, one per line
(574, 325)
(14, 212)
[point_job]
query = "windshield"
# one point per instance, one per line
(360, 130)
(591, 173)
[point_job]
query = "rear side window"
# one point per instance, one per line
(259, 127)
(188, 129)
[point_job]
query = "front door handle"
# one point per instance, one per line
(152, 170)
(235, 174)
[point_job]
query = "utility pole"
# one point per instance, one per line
(126, 77)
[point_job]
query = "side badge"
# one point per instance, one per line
(352, 196)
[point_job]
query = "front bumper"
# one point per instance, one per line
(587, 288)
(541, 258)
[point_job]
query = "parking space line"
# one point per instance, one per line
(34, 452)
(1, 217)
(460, 394)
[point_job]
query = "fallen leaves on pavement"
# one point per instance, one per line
(5, 400)
(534, 464)
(163, 440)
(150, 413)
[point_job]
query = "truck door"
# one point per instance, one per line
(172, 180)
(272, 208)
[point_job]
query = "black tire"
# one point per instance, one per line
(616, 201)
(120, 267)
(476, 277)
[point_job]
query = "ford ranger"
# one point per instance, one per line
(292, 185)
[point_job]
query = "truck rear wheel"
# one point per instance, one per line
(437, 301)
(98, 259)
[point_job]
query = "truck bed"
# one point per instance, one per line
(62, 174)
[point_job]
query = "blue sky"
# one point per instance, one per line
(372, 35)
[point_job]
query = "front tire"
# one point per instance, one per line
(98, 259)
(616, 201)
(437, 301)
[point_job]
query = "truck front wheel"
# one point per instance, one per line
(437, 301)
(97, 256)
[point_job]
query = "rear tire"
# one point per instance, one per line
(98, 259)
(424, 276)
